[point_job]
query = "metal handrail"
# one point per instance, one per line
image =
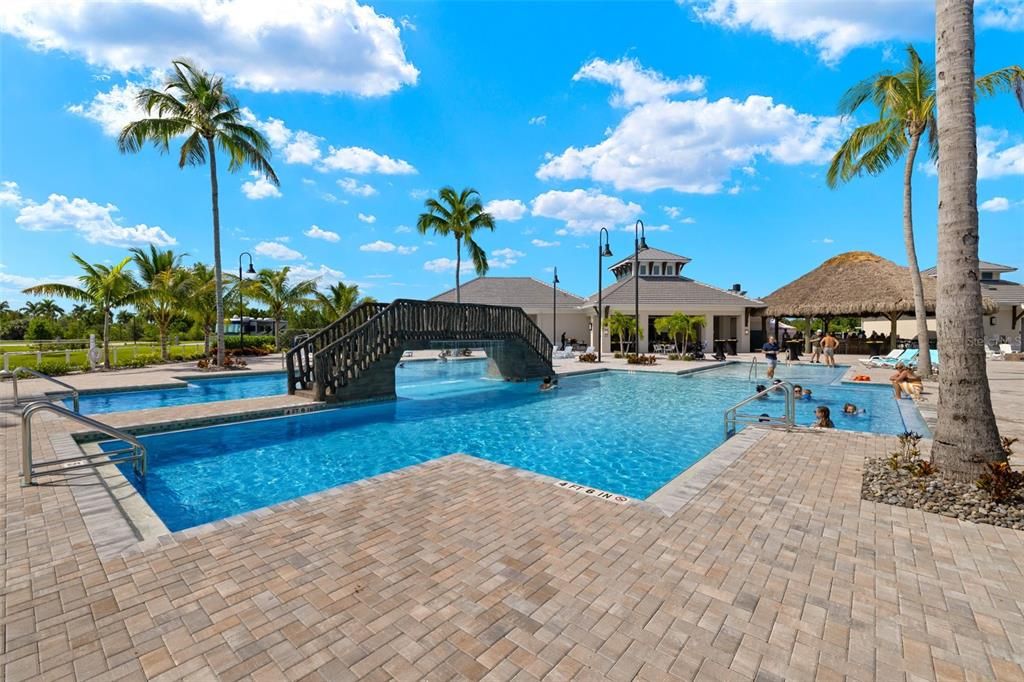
(138, 456)
(732, 416)
(753, 369)
(14, 376)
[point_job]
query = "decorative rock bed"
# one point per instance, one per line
(935, 494)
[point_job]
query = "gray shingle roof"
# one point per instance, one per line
(677, 291)
(652, 254)
(514, 291)
(982, 265)
(1003, 291)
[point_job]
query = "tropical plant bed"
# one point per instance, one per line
(905, 479)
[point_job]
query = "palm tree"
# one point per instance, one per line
(460, 214)
(151, 263)
(166, 286)
(622, 325)
(272, 288)
(202, 301)
(105, 287)
(906, 107)
(680, 324)
(339, 300)
(966, 435)
(5, 310)
(193, 104)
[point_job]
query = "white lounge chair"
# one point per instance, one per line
(993, 354)
(871, 362)
(1005, 348)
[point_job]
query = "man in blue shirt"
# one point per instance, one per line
(771, 355)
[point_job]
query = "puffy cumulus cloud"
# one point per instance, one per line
(381, 246)
(635, 84)
(362, 161)
(95, 222)
(10, 195)
(695, 146)
(995, 205)
(353, 186)
(259, 187)
(1004, 14)
(541, 244)
(538, 120)
(584, 211)
(369, 219)
(277, 251)
(832, 27)
(316, 232)
(999, 154)
(323, 275)
(114, 109)
(506, 209)
(325, 46)
(503, 259)
(446, 265)
(13, 284)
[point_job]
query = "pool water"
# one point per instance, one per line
(624, 433)
(196, 391)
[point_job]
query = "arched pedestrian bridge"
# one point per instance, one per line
(354, 358)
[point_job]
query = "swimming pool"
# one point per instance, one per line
(624, 433)
(195, 391)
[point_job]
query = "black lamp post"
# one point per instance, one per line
(241, 300)
(602, 252)
(639, 242)
(554, 308)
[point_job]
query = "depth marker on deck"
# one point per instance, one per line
(593, 492)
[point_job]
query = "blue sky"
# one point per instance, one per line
(711, 121)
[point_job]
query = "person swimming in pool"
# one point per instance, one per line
(824, 418)
(850, 408)
(806, 394)
(798, 391)
(547, 384)
(758, 390)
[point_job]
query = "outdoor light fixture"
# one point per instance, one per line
(554, 309)
(639, 242)
(605, 252)
(241, 299)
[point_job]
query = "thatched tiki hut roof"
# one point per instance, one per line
(853, 284)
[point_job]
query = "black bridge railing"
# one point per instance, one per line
(342, 360)
(300, 358)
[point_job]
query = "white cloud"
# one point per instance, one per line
(113, 109)
(695, 146)
(648, 228)
(832, 27)
(446, 265)
(277, 251)
(10, 195)
(995, 205)
(635, 84)
(259, 187)
(304, 147)
(324, 275)
(15, 283)
(502, 259)
(381, 246)
(403, 229)
(283, 240)
(325, 46)
(688, 220)
(94, 222)
(506, 209)
(370, 219)
(419, 193)
(994, 162)
(362, 161)
(541, 244)
(353, 186)
(1007, 14)
(538, 120)
(378, 276)
(672, 211)
(316, 232)
(584, 211)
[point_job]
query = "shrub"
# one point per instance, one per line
(908, 457)
(634, 359)
(617, 355)
(587, 357)
(40, 329)
(675, 356)
(56, 368)
(1000, 481)
(251, 341)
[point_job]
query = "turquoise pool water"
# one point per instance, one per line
(196, 391)
(625, 433)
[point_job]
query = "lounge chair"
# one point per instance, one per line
(906, 357)
(993, 354)
(932, 354)
(1005, 348)
(871, 362)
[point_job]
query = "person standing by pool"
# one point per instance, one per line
(828, 347)
(816, 348)
(771, 355)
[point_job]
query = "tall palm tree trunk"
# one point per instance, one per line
(218, 290)
(924, 362)
(966, 436)
(458, 266)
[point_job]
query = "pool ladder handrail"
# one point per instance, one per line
(732, 416)
(136, 454)
(753, 369)
(68, 388)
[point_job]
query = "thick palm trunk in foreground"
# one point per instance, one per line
(219, 292)
(966, 436)
(920, 314)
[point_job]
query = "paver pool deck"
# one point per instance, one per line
(460, 568)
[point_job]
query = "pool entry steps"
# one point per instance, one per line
(354, 358)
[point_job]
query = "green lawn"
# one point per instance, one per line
(126, 353)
